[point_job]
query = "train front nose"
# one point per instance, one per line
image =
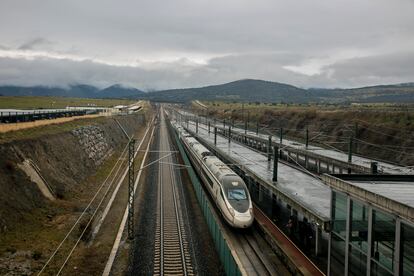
(243, 220)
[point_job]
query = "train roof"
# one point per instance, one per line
(218, 168)
(191, 140)
(199, 147)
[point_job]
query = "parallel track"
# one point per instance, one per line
(261, 264)
(248, 245)
(171, 255)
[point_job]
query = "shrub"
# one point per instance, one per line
(36, 255)
(12, 250)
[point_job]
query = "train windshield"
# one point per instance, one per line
(236, 193)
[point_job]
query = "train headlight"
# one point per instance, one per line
(251, 211)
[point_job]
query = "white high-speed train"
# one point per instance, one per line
(226, 188)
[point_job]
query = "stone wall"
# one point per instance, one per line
(93, 142)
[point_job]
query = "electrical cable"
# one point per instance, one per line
(82, 214)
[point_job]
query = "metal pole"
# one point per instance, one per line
(248, 119)
(242, 111)
(374, 167)
(208, 127)
(275, 163)
(245, 127)
(356, 137)
(307, 137)
(131, 189)
(224, 123)
(229, 134)
(269, 148)
(281, 135)
(350, 150)
(257, 127)
(197, 126)
(215, 135)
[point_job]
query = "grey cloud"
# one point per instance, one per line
(164, 76)
(34, 43)
(233, 38)
(383, 69)
(350, 73)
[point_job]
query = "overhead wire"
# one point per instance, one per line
(382, 147)
(82, 214)
(348, 127)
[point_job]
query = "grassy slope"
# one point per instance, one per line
(388, 125)
(46, 130)
(55, 102)
(51, 221)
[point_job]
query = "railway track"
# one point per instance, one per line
(171, 252)
(254, 254)
(261, 263)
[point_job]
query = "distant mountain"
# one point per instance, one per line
(31, 91)
(78, 91)
(83, 91)
(118, 91)
(242, 90)
(395, 93)
(266, 91)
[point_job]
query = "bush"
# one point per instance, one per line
(12, 250)
(9, 166)
(88, 231)
(36, 255)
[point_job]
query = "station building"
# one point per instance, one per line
(372, 225)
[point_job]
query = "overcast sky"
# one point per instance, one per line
(175, 43)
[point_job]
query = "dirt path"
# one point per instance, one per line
(17, 126)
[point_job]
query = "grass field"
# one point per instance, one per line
(56, 102)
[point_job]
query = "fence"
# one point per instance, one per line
(29, 116)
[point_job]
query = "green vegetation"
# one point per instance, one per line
(28, 102)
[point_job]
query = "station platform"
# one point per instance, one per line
(305, 192)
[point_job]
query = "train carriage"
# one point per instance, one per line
(227, 189)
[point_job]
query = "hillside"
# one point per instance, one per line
(118, 91)
(379, 132)
(247, 90)
(242, 90)
(398, 93)
(78, 91)
(271, 92)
